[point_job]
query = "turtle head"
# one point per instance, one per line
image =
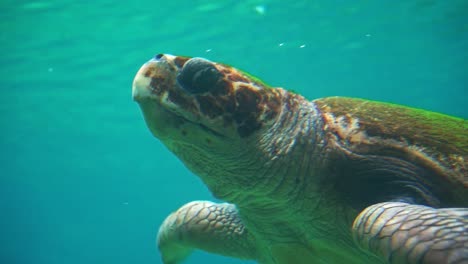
(215, 98)
(201, 110)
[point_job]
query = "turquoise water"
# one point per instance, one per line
(82, 179)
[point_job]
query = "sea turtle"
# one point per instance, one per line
(333, 180)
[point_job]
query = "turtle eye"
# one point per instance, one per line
(198, 76)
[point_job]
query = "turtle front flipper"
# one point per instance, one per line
(204, 225)
(407, 233)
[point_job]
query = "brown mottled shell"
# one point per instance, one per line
(436, 141)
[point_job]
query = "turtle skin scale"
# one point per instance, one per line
(333, 180)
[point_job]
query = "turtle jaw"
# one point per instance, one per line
(144, 92)
(141, 84)
(153, 80)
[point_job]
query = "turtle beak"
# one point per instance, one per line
(141, 88)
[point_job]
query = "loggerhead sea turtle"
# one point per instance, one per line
(333, 180)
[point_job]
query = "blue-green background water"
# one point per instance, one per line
(82, 179)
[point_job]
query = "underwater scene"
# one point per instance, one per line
(83, 180)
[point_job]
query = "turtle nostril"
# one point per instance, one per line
(158, 56)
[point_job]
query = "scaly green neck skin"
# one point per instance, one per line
(276, 179)
(274, 164)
